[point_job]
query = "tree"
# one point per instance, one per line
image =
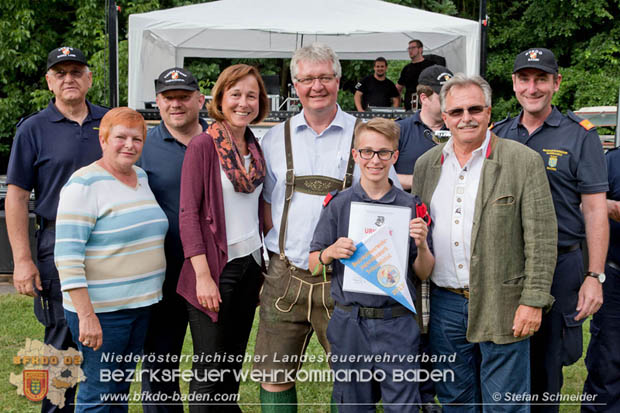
(582, 34)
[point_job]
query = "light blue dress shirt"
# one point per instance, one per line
(324, 154)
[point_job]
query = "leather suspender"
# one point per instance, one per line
(308, 184)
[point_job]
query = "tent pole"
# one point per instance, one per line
(484, 22)
(113, 52)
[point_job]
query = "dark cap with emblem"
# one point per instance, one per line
(65, 54)
(176, 78)
(536, 58)
(435, 77)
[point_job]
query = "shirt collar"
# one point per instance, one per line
(388, 198)
(168, 137)
(448, 149)
(554, 118)
(299, 122)
(94, 112)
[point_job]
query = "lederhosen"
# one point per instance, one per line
(308, 184)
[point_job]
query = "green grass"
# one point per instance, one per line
(17, 322)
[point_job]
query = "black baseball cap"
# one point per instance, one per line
(435, 77)
(174, 79)
(65, 54)
(536, 58)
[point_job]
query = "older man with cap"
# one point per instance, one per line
(307, 157)
(425, 128)
(179, 101)
(48, 147)
(495, 240)
(576, 170)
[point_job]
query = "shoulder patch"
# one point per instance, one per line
(329, 197)
(26, 117)
(587, 125)
(494, 124)
(584, 123)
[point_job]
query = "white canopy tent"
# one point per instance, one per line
(355, 29)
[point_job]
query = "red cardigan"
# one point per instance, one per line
(201, 216)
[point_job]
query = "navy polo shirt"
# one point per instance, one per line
(162, 160)
(334, 223)
(415, 139)
(575, 164)
(613, 169)
(48, 148)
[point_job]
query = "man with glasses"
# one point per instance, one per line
(307, 157)
(410, 73)
(575, 164)
(494, 238)
(48, 147)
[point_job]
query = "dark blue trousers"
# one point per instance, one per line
(559, 341)
(603, 358)
(49, 311)
(351, 335)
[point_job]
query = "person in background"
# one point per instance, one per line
(409, 75)
(48, 147)
(417, 132)
(221, 231)
(109, 253)
(376, 89)
(494, 238)
(417, 135)
(603, 357)
(575, 164)
(179, 102)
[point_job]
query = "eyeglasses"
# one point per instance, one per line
(413, 47)
(383, 154)
(324, 79)
(76, 74)
(472, 110)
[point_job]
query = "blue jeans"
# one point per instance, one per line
(123, 334)
(486, 375)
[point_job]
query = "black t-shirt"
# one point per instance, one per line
(409, 78)
(376, 92)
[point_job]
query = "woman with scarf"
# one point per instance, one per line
(221, 226)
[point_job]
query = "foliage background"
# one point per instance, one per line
(581, 33)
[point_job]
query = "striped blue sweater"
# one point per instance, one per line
(110, 239)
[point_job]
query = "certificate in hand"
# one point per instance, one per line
(379, 265)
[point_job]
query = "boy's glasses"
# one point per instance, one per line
(383, 154)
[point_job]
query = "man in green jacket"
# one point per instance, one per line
(495, 236)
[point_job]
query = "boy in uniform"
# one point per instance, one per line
(365, 324)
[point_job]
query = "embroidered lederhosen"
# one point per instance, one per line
(308, 184)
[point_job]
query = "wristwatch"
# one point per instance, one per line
(600, 277)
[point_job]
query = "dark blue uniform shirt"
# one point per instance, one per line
(415, 139)
(575, 163)
(162, 160)
(334, 223)
(613, 168)
(48, 148)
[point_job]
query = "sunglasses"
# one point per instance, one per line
(472, 110)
